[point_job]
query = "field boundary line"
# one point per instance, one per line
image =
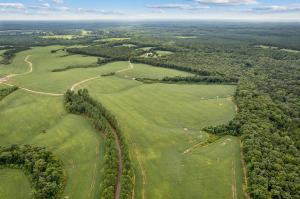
(233, 185)
(199, 144)
(133, 188)
(245, 184)
(142, 171)
(35, 92)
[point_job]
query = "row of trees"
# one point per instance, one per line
(156, 62)
(43, 168)
(10, 54)
(100, 62)
(104, 121)
(120, 53)
(6, 91)
(197, 79)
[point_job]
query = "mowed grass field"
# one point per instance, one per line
(160, 121)
(14, 184)
(42, 121)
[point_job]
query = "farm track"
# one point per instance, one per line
(143, 174)
(233, 186)
(98, 76)
(30, 66)
(8, 77)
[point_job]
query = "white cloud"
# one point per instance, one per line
(277, 8)
(62, 8)
(12, 5)
(97, 11)
(46, 5)
(227, 2)
(58, 1)
(176, 6)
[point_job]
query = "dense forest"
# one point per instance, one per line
(114, 53)
(43, 168)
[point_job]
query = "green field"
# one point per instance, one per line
(42, 121)
(185, 37)
(146, 48)
(1, 53)
(127, 45)
(276, 48)
(115, 39)
(163, 52)
(67, 37)
(161, 122)
(14, 184)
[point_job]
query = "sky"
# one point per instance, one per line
(238, 10)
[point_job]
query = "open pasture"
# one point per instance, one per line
(162, 122)
(41, 121)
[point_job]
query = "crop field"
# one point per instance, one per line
(173, 158)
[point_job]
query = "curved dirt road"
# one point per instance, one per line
(30, 66)
(98, 76)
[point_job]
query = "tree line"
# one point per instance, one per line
(270, 140)
(156, 62)
(10, 54)
(6, 91)
(197, 79)
(103, 120)
(43, 168)
(120, 53)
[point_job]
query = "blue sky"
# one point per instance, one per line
(259, 10)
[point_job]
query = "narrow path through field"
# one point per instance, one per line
(30, 66)
(143, 174)
(8, 77)
(98, 76)
(126, 69)
(82, 82)
(233, 185)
